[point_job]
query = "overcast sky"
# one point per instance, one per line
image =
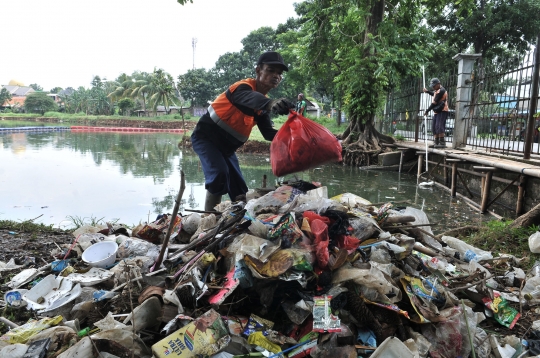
(67, 42)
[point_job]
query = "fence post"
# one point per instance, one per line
(533, 103)
(463, 96)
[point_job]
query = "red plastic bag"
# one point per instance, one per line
(320, 230)
(301, 144)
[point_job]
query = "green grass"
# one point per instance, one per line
(497, 237)
(69, 117)
(26, 226)
(329, 123)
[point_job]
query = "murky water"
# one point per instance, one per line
(58, 176)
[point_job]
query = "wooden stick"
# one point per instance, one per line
(171, 224)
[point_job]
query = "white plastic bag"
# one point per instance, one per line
(534, 243)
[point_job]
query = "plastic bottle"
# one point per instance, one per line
(534, 294)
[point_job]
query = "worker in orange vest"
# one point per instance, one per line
(228, 123)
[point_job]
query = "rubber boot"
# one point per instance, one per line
(435, 143)
(441, 144)
(211, 201)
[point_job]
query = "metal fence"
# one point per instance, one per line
(404, 112)
(500, 105)
(497, 114)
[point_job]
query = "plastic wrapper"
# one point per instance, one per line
(318, 205)
(351, 200)
(301, 144)
(109, 323)
(449, 338)
(259, 229)
(502, 312)
(23, 333)
(125, 338)
(259, 339)
(206, 223)
(369, 276)
(364, 227)
(201, 337)
(253, 246)
(427, 297)
(297, 313)
(191, 223)
(130, 247)
(256, 323)
(275, 199)
(286, 230)
(320, 231)
(323, 319)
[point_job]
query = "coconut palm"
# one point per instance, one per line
(163, 88)
(141, 86)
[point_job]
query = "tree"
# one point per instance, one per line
(36, 87)
(231, 67)
(39, 102)
(493, 28)
(163, 88)
(125, 105)
(141, 86)
(368, 46)
(5, 96)
(197, 85)
(55, 90)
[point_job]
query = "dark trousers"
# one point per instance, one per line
(439, 123)
(222, 174)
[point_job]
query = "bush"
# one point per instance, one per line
(177, 116)
(187, 115)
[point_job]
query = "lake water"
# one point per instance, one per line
(59, 176)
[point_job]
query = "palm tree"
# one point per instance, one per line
(163, 89)
(141, 86)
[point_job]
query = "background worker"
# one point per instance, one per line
(300, 104)
(227, 126)
(439, 105)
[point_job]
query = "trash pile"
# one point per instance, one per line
(291, 273)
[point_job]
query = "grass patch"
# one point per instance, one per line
(75, 117)
(26, 226)
(78, 221)
(497, 237)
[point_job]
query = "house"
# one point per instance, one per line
(18, 93)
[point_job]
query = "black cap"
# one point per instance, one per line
(272, 58)
(434, 81)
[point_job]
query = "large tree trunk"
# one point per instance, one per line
(363, 143)
(530, 218)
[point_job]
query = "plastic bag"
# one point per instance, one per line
(534, 243)
(301, 144)
(130, 247)
(320, 231)
(23, 333)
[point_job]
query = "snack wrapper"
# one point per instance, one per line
(502, 312)
(323, 319)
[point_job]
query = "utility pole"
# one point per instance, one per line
(194, 44)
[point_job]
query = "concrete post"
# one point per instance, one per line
(463, 96)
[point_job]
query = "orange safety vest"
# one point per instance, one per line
(229, 117)
(445, 96)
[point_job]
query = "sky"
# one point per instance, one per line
(66, 43)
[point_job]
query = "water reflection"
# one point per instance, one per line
(133, 177)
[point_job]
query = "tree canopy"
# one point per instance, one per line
(39, 102)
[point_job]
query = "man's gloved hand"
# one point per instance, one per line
(280, 106)
(426, 113)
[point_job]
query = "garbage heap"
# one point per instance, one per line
(289, 273)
